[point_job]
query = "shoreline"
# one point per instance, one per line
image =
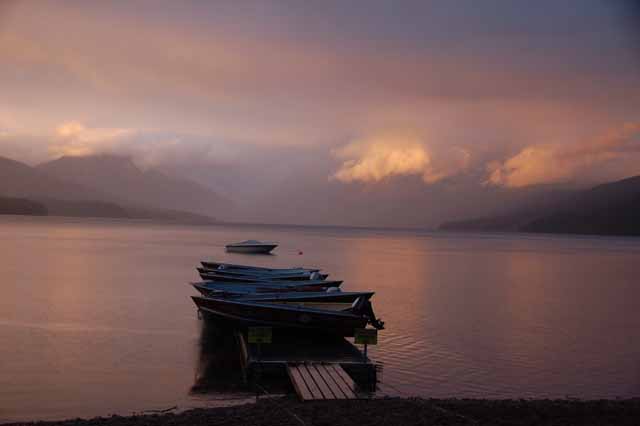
(288, 410)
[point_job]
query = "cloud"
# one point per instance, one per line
(384, 156)
(145, 147)
(554, 163)
(75, 139)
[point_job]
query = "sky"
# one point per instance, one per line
(362, 94)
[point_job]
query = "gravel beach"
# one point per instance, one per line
(389, 411)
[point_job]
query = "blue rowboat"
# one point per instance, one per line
(236, 267)
(246, 288)
(207, 274)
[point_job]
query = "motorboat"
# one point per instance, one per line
(251, 247)
(341, 322)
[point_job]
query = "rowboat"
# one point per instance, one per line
(333, 300)
(296, 292)
(278, 315)
(232, 272)
(310, 296)
(233, 266)
(207, 287)
(251, 247)
(216, 276)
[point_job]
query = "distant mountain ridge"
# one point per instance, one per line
(57, 188)
(122, 181)
(20, 180)
(21, 206)
(607, 209)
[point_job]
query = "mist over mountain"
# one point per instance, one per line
(297, 193)
(21, 206)
(298, 190)
(20, 180)
(606, 209)
(370, 116)
(119, 179)
(52, 190)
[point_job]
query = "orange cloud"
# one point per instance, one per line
(553, 163)
(380, 157)
(73, 138)
(146, 148)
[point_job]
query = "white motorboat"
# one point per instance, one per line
(251, 246)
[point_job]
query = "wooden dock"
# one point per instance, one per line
(319, 368)
(313, 381)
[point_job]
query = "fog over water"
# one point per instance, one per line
(96, 317)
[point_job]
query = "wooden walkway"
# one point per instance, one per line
(319, 367)
(314, 381)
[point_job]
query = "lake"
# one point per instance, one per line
(96, 318)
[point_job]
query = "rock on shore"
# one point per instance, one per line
(391, 411)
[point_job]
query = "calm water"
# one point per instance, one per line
(95, 316)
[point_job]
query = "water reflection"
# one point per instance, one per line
(218, 367)
(102, 321)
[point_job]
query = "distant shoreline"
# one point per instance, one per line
(226, 223)
(433, 231)
(387, 411)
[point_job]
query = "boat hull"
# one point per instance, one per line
(280, 316)
(251, 249)
(248, 278)
(236, 267)
(258, 273)
(310, 297)
(207, 288)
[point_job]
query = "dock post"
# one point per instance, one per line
(367, 337)
(257, 336)
(257, 374)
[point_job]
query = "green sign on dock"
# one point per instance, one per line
(366, 336)
(259, 334)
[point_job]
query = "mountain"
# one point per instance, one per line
(607, 209)
(33, 191)
(21, 206)
(121, 181)
(309, 197)
(20, 180)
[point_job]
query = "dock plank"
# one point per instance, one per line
(321, 382)
(311, 384)
(346, 379)
(338, 383)
(331, 384)
(299, 384)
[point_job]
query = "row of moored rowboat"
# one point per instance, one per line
(301, 298)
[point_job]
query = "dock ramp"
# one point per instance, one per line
(314, 381)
